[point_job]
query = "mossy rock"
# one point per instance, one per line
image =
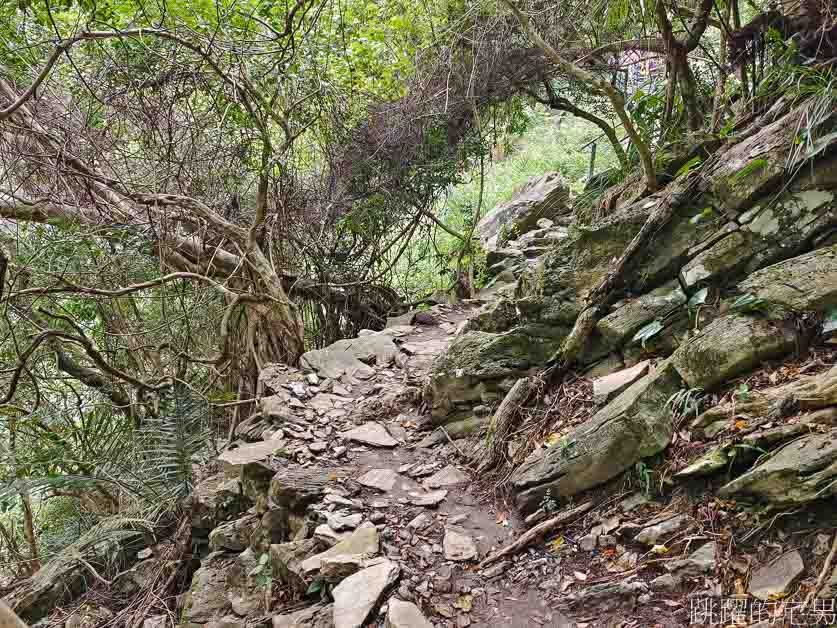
(800, 284)
(803, 470)
(730, 346)
(634, 425)
(480, 367)
(629, 317)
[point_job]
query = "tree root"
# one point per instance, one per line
(812, 392)
(504, 421)
(536, 533)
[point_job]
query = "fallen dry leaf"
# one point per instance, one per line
(464, 602)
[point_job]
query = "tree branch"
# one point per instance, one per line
(598, 85)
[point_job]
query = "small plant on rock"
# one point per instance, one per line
(262, 574)
(548, 503)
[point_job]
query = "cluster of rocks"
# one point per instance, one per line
(718, 292)
(294, 503)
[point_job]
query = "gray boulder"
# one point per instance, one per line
(353, 356)
(799, 472)
(480, 367)
(730, 346)
(633, 426)
(546, 196)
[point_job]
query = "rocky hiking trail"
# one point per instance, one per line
(431, 526)
(358, 499)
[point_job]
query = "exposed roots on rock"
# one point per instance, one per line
(813, 392)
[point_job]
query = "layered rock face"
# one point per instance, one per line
(748, 249)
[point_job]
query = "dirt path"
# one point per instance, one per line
(450, 592)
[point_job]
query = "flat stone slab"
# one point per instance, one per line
(360, 545)
(607, 387)
(653, 534)
(373, 434)
(403, 614)
(429, 499)
(380, 479)
(775, 579)
(234, 459)
(458, 545)
(356, 597)
(317, 616)
(328, 537)
(339, 523)
(701, 561)
(449, 476)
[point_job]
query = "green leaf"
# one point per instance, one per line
(315, 587)
(649, 331)
(748, 303)
(699, 297)
(687, 167)
(750, 168)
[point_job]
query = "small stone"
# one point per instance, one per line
(458, 545)
(401, 614)
(607, 387)
(430, 499)
(339, 451)
(588, 543)
(419, 522)
(496, 570)
(545, 223)
(313, 379)
(339, 523)
(449, 476)
(344, 502)
(667, 582)
(317, 447)
(327, 536)
(457, 519)
(775, 579)
(377, 517)
(371, 433)
(607, 540)
(652, 535)
(380, 479)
